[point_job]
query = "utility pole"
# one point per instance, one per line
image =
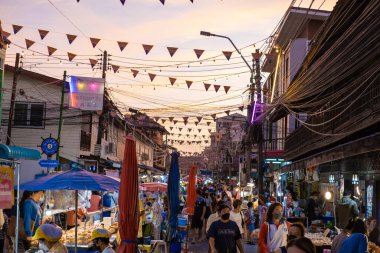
(61, 115)
(98, 146)
(258, 131)
(16, 75)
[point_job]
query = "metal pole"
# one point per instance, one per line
(18, 208)
(16, 74)
(61, 114)
(76, 221)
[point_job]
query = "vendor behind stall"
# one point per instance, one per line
(48, 237)
(109, 200)
(101, 240)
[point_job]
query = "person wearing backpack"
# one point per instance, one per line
(237, 216)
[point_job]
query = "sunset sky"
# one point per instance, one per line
(175, 24)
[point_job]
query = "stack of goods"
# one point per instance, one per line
(318, 239)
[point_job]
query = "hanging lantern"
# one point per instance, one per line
(331, 179)
(355, 179)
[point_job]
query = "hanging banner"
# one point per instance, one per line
(86, 93)
(6, 187)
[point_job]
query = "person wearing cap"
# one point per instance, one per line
(48, 237)
(101, 240)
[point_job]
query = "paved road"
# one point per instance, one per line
(203, 248)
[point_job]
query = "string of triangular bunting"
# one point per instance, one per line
(122, 44)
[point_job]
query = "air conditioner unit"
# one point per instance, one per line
(111, 148)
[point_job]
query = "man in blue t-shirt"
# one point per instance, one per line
(109, 200)
(224, 234)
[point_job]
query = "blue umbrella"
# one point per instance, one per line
(173, 198)
(74, 179)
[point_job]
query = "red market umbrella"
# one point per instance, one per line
(128, 199)
(191, 191)
(191, 198)
(154, 187)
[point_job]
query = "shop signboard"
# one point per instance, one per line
(6, 187)
(86, 93)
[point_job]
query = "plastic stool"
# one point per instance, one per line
(158, 245)
(145, 248)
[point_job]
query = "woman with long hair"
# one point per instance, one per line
(274, 231)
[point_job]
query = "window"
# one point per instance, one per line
(29, 115)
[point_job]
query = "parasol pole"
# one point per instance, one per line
(18, 207)
(187, 235)
(76, 221)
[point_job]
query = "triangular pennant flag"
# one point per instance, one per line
(185, 118)
(171, 128)
(28, 43)
(199, 130)
(209, 130)
(203, 136)
(156, 118)
(198, 52)
(93, 62)
(226, 88)
(134, 72)
(241, 108)
(189, 130)
(151, 76)
(227, 112)
(196, 123)
(147, 48)
(180, 129)
(122, 45)
(122, 2)
(192, 1)
(16, 28)
(199, 119)
(213, 116)
(51, 50)
(189, 83)
(71, 56)
(71, 38)
(163, 2)
(172, 80)
(208, 123)
(5, 34)
(187, 135)
(206, 141)
(216, 87)
(207, 85)
(115, 68)
(42, 33)
(179, 135)
(94, 42)
(163, 121)
(227, 54)
(172, 50)
(185, 122)
(171, 119)
(175, 121)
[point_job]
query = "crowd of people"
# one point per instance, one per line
(227, 222)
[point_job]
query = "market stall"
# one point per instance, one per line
(75, 180)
